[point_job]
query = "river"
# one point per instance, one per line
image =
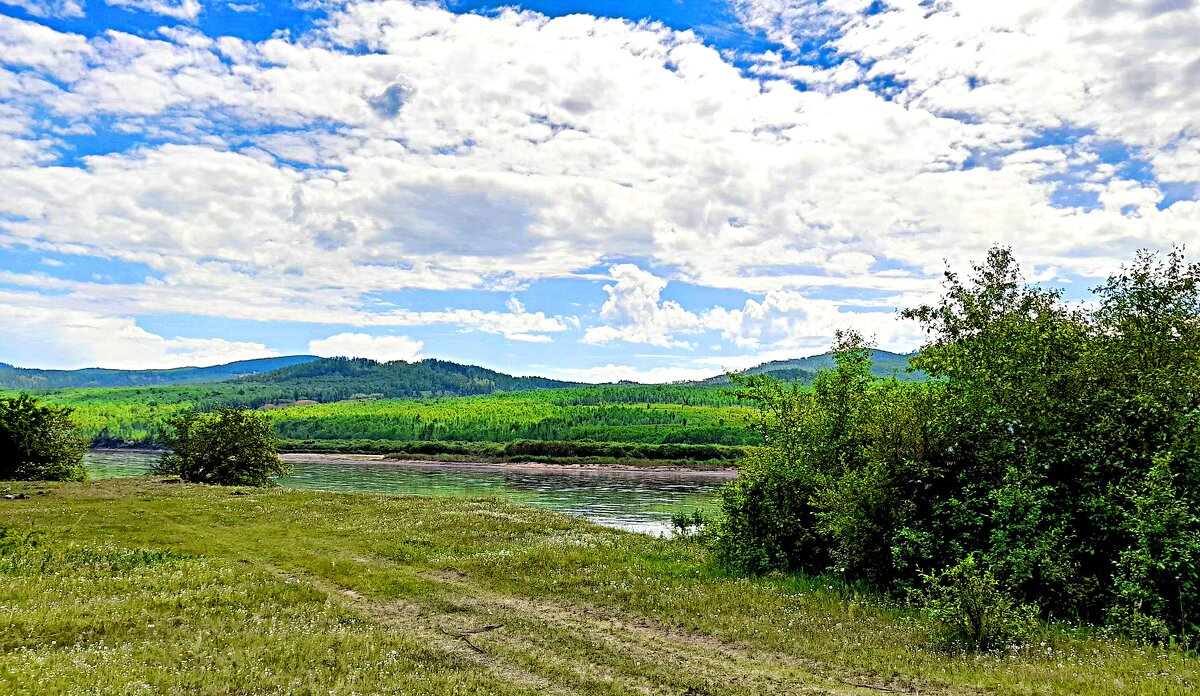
(630, 500)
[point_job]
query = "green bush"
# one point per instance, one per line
(228, 447)
(1157, 583)
(39, 442)
(1058, 443)
(690, 525)
(970, 612)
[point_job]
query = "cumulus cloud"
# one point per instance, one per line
(782, 319)
(635, 313)
(361, 345)
(400, 146)
(69, 339)
(512, 164)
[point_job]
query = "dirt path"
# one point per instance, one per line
(551, 647)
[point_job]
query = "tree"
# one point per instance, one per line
(39, 442)
(228, 447)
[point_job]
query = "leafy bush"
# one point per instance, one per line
(690, 525)
(229, 447)
(1059, 444)
(13, 540)
(970, 611)
(39, 442)
(1157, 583)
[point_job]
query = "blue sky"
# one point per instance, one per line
(590, 190)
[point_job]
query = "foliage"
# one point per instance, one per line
(39, 442)
(690, 525)
(836, 472)
(13, 540)
(229, 447)
(1157, 582)
(1059, 443)
(626, 414)
(970, 611)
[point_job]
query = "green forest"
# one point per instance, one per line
(626, 414)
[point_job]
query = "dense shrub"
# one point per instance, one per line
(228, 447)
(1059, 444)
(970, 612)
(39, 442)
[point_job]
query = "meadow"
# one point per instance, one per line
(135, 585)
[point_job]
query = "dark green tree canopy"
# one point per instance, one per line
(39, 442)
(228, 447)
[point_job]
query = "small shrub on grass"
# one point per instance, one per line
(970, 611)
(229, 447)
(13, 540)
(690, 525)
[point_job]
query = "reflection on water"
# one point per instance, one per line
(627, 501)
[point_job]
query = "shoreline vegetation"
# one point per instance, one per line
(521, 453)
(132, 583)
(670, 469)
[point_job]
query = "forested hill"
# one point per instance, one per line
(805, 370)
(28, 378)
(338, 379)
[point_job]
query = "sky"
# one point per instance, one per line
(590, 190)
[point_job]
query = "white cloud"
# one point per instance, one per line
(616, 373)
(178, 9)
(491, 151)
(635, 313)
(1127, 69)
(514, 165)
(361, 345)
(35, 337)
(221, 292)
(48, 8)
(781, 320)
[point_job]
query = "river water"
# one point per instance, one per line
(633, 501)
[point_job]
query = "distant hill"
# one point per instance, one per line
(28, 378)
(338, 379)
(805, 370)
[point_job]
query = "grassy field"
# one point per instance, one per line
(139, 586)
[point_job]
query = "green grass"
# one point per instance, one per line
(141, 586)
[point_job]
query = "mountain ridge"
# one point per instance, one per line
(886, 364)
(340, 378)
(12, 377)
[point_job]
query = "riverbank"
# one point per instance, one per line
(681, 471)
(649, 468)
(135, 584)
